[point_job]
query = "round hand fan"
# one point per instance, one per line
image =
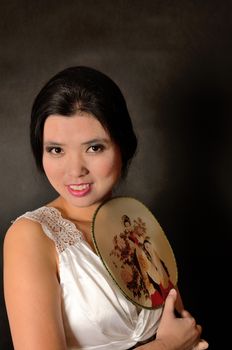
(134, 250)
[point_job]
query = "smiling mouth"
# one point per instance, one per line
(79, 187)
(79, 190)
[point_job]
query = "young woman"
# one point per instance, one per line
(58, 294)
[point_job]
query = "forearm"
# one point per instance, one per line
(154, 345)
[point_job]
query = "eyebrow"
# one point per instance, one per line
(89, 142)
(53, 143)
(103, 140)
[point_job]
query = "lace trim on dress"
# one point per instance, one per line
(62, 231)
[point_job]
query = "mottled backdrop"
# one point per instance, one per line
(172, 60)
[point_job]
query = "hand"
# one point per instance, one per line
(179, 333)
(202, 345)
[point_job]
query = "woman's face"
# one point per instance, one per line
(80, 160)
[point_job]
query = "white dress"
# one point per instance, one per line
(96, 314)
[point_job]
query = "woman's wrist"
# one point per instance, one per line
(157, 344)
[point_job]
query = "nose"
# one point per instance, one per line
(76, 166)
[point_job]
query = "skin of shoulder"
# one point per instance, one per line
(31, 288)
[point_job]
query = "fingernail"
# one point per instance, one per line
(172, 291)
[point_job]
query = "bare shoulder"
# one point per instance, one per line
(26, 238)
(25, 229)
(23, 226)
(31, 269)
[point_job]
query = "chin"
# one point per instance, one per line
(89, 200)
(85, 203)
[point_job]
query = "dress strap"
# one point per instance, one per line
(62, 231)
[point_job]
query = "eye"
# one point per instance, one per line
(95, 148)
(54, 150)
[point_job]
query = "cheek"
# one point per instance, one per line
(46, 166)
(50, 168)
(111, 167)
(106, 169)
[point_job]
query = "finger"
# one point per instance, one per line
(169, 306)
(202, 345)
(185, 314)
(199, 328)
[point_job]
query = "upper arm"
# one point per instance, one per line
(31, 288)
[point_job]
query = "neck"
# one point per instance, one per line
(75, 214)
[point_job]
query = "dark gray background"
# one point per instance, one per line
(172, 60)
